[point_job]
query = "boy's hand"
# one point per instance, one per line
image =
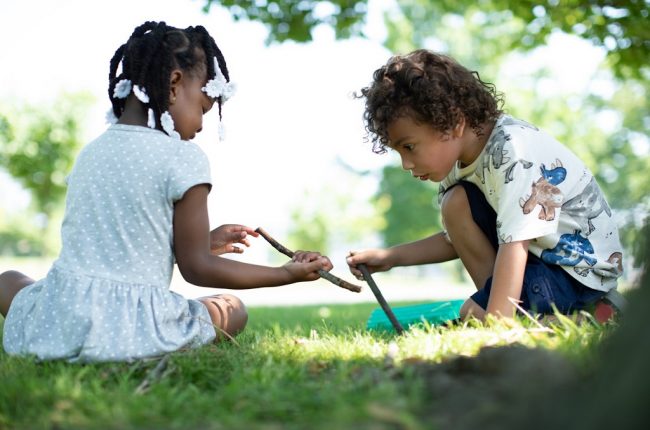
(375, 259)
(224, 238)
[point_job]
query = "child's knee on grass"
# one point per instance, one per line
(471, 309)
(227, 312)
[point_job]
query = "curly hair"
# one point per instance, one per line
(152, 52)
(432, 89)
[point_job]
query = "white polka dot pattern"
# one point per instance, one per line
(107, 296)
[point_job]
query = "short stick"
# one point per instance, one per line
(323, 274)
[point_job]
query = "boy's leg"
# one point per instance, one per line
(471, 309)
(471, 226)
(11, 282)
(227, 312)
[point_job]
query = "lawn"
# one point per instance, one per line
(307, 367)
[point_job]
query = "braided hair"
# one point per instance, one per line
(152, 52)
(432, 88)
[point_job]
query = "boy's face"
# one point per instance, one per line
(428, 153)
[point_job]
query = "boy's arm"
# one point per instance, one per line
(508, 278)
(433, 249)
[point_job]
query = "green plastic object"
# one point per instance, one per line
(434, 313)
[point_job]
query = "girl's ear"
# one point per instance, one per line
(174, 85)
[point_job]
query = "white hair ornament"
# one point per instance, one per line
(167, 123)
(122, 89)
(151, 119)
(110, 117)
(218, 86)
(141, 94)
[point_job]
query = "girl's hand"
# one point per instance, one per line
(308, 256)
(376, 260)
(307, 270)
(224, 238)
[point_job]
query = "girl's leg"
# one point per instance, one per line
(10, 283)
(227, 312)
(475, 249)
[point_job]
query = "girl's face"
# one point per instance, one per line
(188, 103)
(428, 153)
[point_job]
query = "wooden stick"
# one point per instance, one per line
(380, 298)
(323, 274)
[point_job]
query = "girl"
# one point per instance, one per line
(137, 201)
(523, 213)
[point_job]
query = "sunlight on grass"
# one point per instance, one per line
(296, 367)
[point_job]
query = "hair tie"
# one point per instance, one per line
(218, 86)
(122, 89)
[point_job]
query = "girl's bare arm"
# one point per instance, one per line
(199, 267)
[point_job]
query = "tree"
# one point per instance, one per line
(37, 148)
(621, 27)
(333, 215)
(409, 207)
(295, 20)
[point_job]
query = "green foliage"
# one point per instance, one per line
(334, 214)
(38, 146)
(308, 230)
(620, 27)
(641, 247)
(409, 207)
(295, 20)
(19, 238)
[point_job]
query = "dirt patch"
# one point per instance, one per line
(515, 387)
(486, 391)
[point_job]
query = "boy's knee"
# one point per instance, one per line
(471, 309)
(454, 203)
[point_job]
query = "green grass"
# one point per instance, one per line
(308, 367)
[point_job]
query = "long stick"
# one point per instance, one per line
(323, 274)
(380, 298)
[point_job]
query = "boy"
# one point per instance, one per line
(521, 211)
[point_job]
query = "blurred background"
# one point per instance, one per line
(294, 160)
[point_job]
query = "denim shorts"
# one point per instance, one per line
(545, 285)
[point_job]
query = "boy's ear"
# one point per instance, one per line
(174, 85)
(459, 128)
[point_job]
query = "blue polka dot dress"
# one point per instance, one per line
(107, 297)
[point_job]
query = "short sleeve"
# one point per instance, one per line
(529, 186)
(188, 168)
(529, 206)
